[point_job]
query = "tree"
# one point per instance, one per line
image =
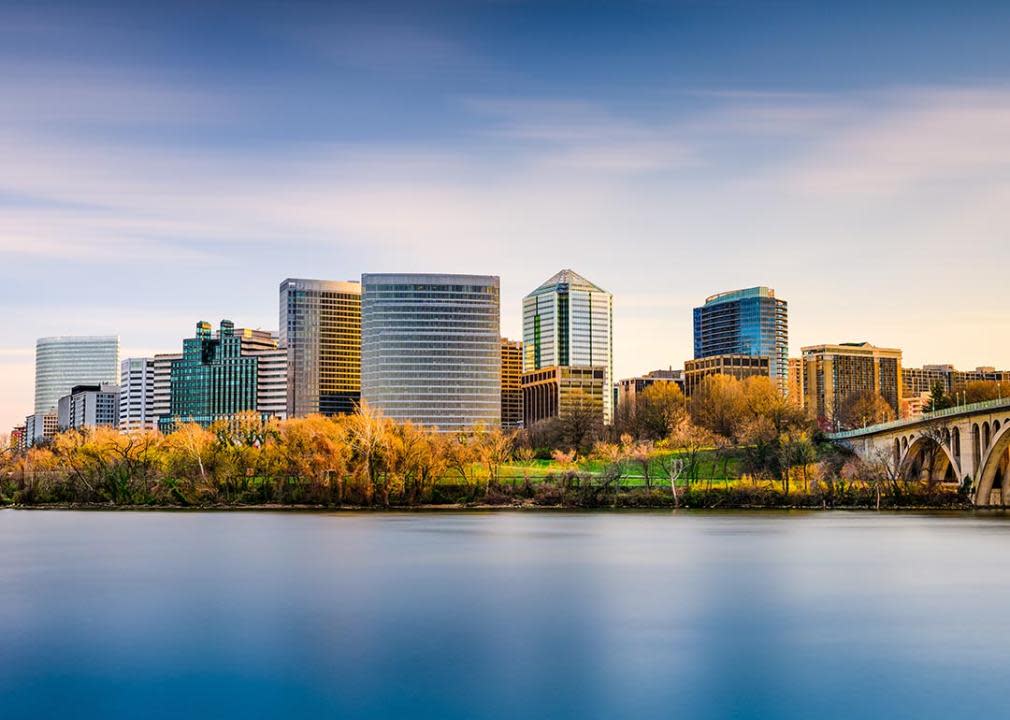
(796, 450)
(689, 441)
(660, 408)
(368, 431)
(864, 408)
(985, 390)
(938, 398)
(719, 405)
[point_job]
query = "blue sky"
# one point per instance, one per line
(162, 163)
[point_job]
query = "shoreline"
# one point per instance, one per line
(484, 507)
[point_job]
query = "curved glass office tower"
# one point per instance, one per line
(430, 348)
(751, 322)
(63, 362)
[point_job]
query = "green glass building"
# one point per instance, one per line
(213, 379)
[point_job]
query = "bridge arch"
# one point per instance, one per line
(955, 445)
(976, 447)
(920, 462)
(994, 476)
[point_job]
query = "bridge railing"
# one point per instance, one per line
(946, 412)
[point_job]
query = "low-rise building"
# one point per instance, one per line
(628, 389)
(89, 406)
(738, 366)
(40, 427)
(558, 391)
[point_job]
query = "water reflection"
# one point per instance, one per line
(746, 615)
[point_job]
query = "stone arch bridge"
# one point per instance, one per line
(965, 443)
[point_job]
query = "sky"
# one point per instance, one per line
(163, 163)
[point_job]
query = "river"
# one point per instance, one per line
(503, 615)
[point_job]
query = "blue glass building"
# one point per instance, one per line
(745, 322)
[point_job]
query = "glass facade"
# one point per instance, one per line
(213, 379)
(430, 349)
(568, 322)
(64, 362)
(320, 323)
(745, 322)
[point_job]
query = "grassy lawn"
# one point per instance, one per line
(710, 467)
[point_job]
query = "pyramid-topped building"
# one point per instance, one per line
(568, 323)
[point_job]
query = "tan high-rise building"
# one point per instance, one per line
(511, 384)
(833, 373)
(796, 394)
(320, 327)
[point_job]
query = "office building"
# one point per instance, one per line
(568, 322)
(320, 327)
(431, 349)
(511, 384)
(751, 322)
(136, 395)
(834, 373)
(41, 427)
(63, 362)
(796, 393)
(89, 406)
(223, 374)
(161, 392)
(628, 390)
(738, 366)
(558, 391)
(916, 382)
(18, 439)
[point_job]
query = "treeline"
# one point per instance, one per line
(735, 443)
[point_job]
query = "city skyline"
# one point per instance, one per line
(342, 142)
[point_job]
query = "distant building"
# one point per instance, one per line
(511, 384)
(19, 439)
(833, 373)
(559, 391)
(751, 322)
(918, 381)
(89, 406)
(320, 323)
(568, 322)
(39, 428)
(796, 392)
(136, 395)
(223, 374)
(431, 349)
(738, 366)
(63, 362)
(161, 392)
(628, 389)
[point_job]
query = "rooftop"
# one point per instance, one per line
(570, 278)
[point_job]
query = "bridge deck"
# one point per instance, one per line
(911, 422)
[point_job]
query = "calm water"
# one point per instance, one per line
(831, 615)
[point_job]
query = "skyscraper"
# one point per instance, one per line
(219, 376)
(430, 348)
(750, 322)
(63, 362)
(568, 322)
(320, 325)
(511, 384)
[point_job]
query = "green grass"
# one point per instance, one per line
(710, 468)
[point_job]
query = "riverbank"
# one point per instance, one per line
(655, 500)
